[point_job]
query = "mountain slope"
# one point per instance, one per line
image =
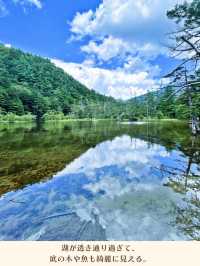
(33, 84)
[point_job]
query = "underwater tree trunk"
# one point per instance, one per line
(195, 126)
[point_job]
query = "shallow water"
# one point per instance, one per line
(99, 181)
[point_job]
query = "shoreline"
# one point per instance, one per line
(94, 120)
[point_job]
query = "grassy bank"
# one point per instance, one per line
(12, 118)
(58, 116)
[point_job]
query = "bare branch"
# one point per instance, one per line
(191, 45)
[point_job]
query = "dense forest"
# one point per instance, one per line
(165, 104)
(33, 85)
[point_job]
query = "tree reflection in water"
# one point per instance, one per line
(187, 182)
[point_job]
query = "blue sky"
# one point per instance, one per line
(117, 47)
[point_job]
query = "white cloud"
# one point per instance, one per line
(118, 27)
(136, 64)
(89, 62)
(120, 151)
(116, 83)
(128, 33)
(81, 20)
(133, 206)
(3, 7)
(138, 21)
(110, 48)
(8, 45)
(128, 194)
(36, 3)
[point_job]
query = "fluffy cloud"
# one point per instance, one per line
(112, 48)
(137, 64)
(129, 34)
(120, 28)
(133, 199)
(134, 20)
(116, 83)
(121, 151)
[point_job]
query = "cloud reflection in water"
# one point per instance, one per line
(113, 189)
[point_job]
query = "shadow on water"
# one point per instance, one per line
(99, 180)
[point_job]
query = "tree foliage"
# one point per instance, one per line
(186, 47)
(31, 84)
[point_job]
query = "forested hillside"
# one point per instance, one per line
(164, 103)
(31, 84)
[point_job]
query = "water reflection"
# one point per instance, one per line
(112, 191)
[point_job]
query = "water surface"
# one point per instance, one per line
(99, 181)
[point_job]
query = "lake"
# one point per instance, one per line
(99, 181)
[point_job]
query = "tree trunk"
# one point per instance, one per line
(194, 121)
(195, 125)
